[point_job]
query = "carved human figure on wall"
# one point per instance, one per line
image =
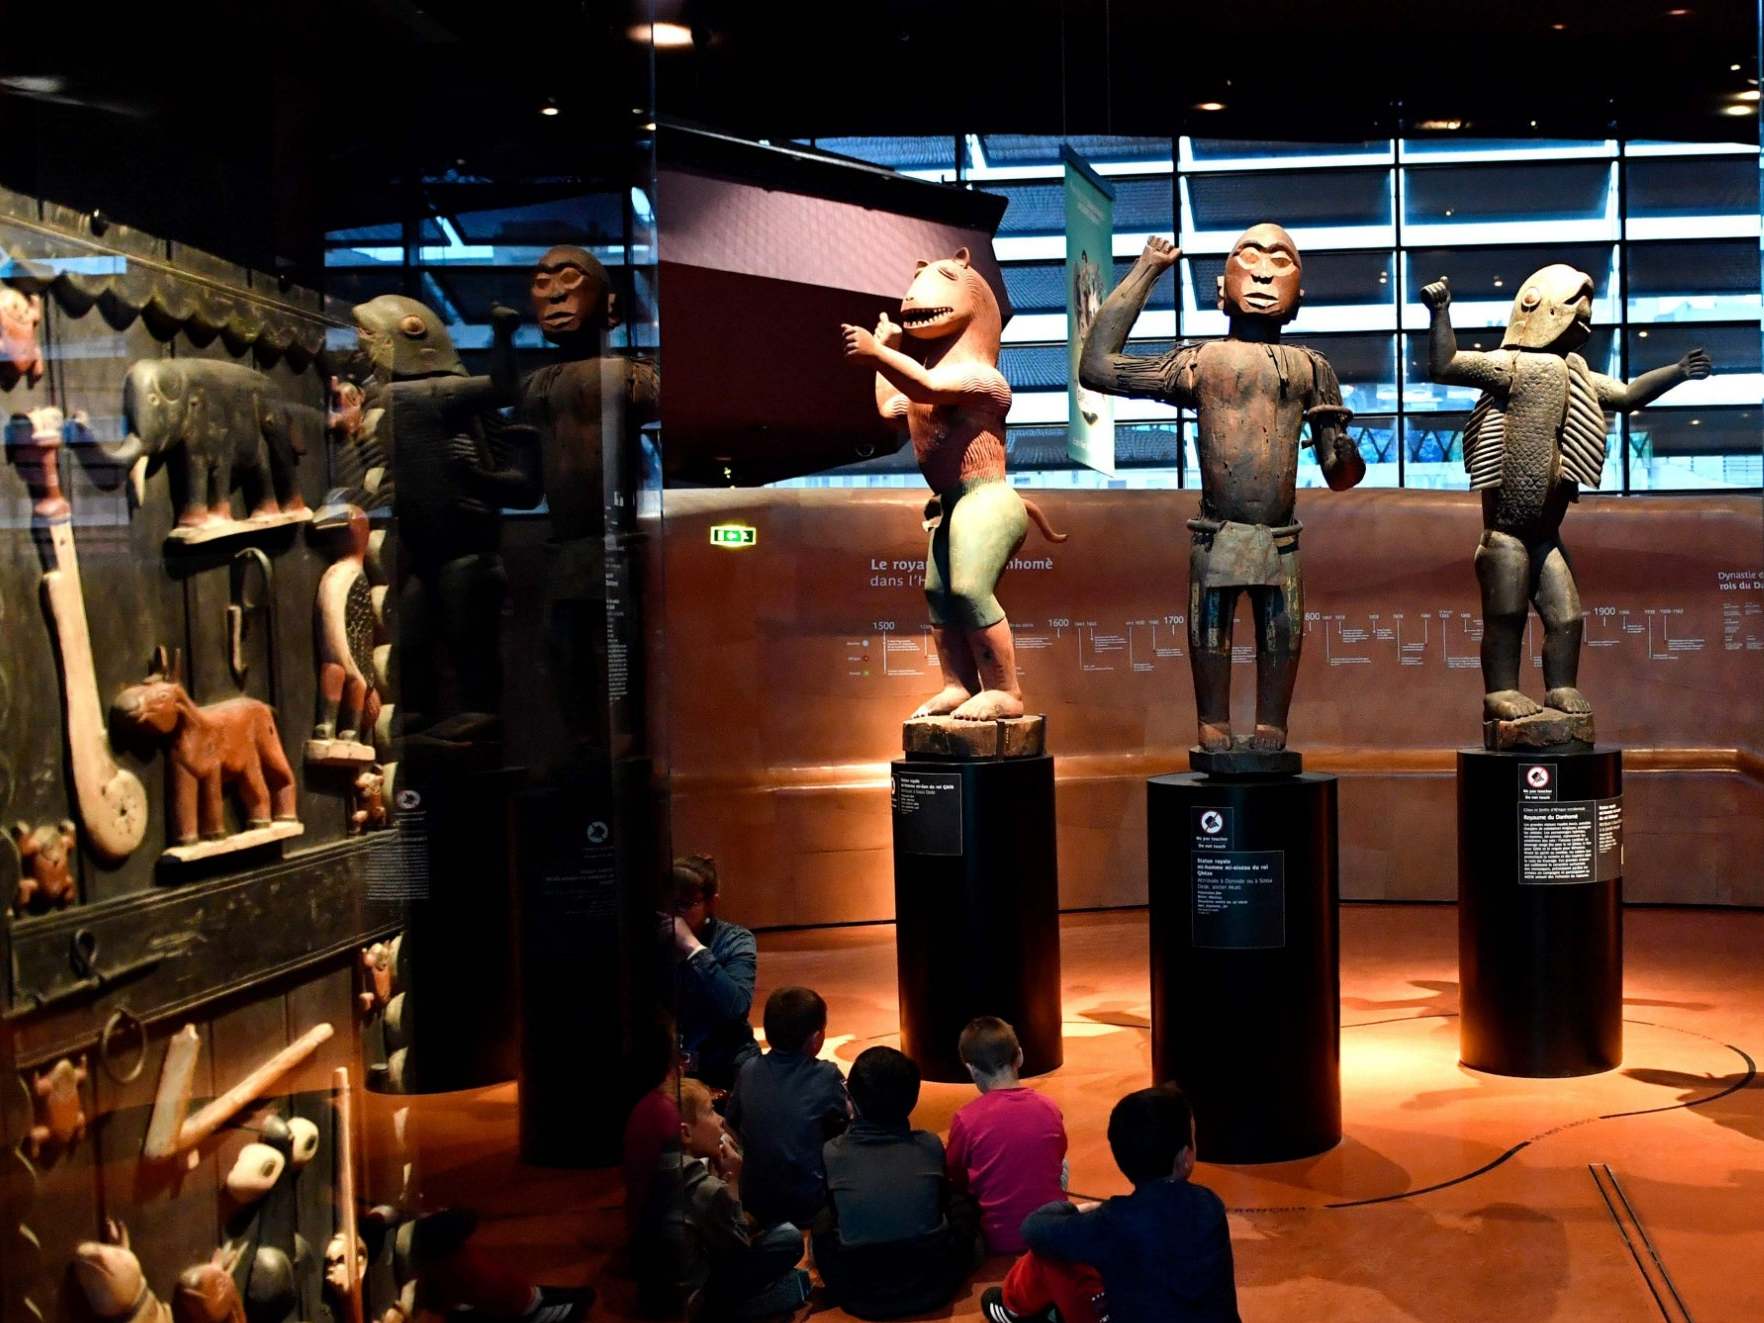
(589, 408)
(1253, 396)
(953, 406)
(21, 356)
(1535, 437)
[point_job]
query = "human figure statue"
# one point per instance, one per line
(1535, 437)
(1253, 395)
(953, 406)
(576, 403)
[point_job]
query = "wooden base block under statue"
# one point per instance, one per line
(1245, 959)
(1540, 911)
(977, 905)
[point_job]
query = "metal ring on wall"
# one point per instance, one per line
(118, 1018)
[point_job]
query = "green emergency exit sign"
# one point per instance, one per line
(734, 535)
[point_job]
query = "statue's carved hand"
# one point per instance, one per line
(1438, 294)
(1696, 365)
(859, 343)
(1160, 254)
(462, 456)
(887, 333)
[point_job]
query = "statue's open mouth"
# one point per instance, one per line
(911, 317)
(1260, 298)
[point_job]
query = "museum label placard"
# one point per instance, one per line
(927, 812)
(1570, 841)
(1238, 896)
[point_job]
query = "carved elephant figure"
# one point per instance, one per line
(219, 423)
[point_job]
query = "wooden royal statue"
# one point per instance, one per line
(1253, 395)
(1535, 437)
(953, 406)
(228, 745)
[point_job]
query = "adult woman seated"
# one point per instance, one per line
(714, 966)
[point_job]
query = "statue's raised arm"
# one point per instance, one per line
(1446, 363)
(1103, 367)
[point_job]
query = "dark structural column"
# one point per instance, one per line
(977, 906)
(1540, 918)
(1245, 959)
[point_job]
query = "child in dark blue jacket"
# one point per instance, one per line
(1164, 1251)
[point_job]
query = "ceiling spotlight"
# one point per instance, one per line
(1737, 108)
(1696, 422)
(1534, 124)
(1733, 68)
(1642, 334)
(1448, 211)
(1678, 13)
(1440, 125)
(1209, 105)
(663, 36)
(1751, 94)
(549, 108)
(1558, 27)
(1498, 282)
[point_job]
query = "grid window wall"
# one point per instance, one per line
(1669, 233)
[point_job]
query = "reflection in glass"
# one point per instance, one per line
(1561, 202)
(1711, 280)
(1689, 449)
(1320, 208)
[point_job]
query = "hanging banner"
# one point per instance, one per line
(1090, 265)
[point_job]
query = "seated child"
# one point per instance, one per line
(653, 1128)
(784, 1106)
(892, 1241)
(1007, 1148)
(713, 1255)
(1164, 1251)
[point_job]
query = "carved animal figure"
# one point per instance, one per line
(953, 406)
(21, 358)
(218, 423)
(61, 1116)
(345, 625)
(207, 1293)
(452, 477)
(43, 853)
(110, 1277)
(1535, 437)
(228, 744)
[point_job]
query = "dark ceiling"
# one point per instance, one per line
(251, 130)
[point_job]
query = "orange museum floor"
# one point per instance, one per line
(1453, 1195)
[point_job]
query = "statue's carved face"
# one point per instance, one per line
(571, 293)
(944, 297)
(1262, 275)
(1553, 310)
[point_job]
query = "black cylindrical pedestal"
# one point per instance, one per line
(1245, 954)
(1540, 917)
(977, 907)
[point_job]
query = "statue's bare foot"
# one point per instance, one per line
(1268, 739)
(1215, 738)
(989, 705)
(1567, 699)
(943, 702)
(1507, 705)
